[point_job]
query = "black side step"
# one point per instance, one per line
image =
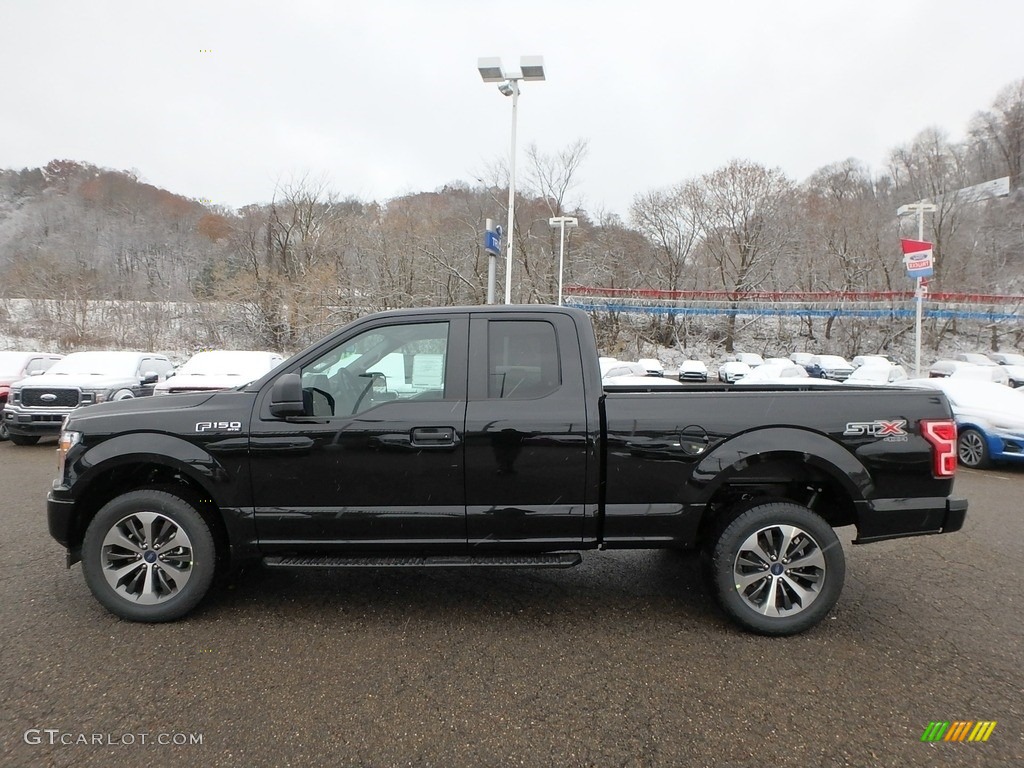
(555, 560)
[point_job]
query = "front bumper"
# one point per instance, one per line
(23, 421)
(60, 516)
(883, 519)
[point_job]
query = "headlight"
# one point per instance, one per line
(92, 396)
(68, 439)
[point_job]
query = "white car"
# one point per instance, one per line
(1007, 358)
(802, 358)
(989, 419)
(652, 366)
(218, 369)
(1014, 365)
(732, 371)
(974, 357)
(693, 370)
(641, 380)
(750, 358)
(1014, 373)
(860, 360)
(612, 368)
(964, 370)
(776, 373)
(873, 373)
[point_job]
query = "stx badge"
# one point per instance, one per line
(893, 431)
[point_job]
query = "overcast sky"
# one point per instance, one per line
(221, 100)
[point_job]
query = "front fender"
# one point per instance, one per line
(198, 463)
(216, 468)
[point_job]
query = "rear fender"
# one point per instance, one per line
(760, 446)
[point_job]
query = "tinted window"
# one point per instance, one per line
(396, 362)
(522, 359)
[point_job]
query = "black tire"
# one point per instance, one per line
(4, 434)
(121, 564)
(762, 594)
(972, 449)
(23, 439)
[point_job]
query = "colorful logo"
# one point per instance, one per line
(959, 730)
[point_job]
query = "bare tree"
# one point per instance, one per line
(740, 212)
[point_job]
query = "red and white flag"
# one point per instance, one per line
(917, 255)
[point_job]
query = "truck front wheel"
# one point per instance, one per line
(148, 556)
(777, 569)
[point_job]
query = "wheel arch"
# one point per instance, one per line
(169, 464)
(811, 470)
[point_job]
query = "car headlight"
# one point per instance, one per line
(92, 396)
(68, 440)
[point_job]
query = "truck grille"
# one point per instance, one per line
(49, 398)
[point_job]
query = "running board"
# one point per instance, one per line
(555, 560)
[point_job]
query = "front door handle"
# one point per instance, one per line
(433, 437)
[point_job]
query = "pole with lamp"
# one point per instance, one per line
(923, 253)
(491, 70)
(562, 222)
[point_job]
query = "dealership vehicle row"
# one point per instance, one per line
(38, 390)
(42, 398)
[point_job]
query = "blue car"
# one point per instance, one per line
(989, 419)
(831, 367)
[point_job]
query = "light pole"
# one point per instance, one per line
(562, 222)
(920, 208)
(530, 68)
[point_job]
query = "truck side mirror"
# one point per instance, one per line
(286, 396)
(150, 377)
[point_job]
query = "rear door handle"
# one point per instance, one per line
(433, 437)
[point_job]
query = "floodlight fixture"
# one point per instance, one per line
(490, 69)
(530, 68)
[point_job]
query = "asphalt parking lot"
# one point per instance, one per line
(620, 662)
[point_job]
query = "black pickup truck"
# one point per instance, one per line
(482, 436)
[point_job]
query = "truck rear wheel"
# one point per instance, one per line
(148, 556)
(777, 569)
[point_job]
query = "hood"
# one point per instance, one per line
(81, 417)
(201, 381)
(994, 418)
(80, 380)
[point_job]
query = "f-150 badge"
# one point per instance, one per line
(217, 426)
(894, 431)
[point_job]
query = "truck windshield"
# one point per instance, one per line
(97, 364)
